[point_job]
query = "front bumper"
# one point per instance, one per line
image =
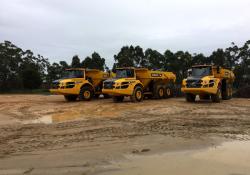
(63, 92)
(197, 91)
(117, 92)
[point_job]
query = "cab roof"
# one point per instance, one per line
(203, 65)
(136, 68)
(82, 69)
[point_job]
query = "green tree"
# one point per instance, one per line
(184, 62)
(232, 55)
(64, 65)
(31, 77)
(155, 59)
(94, 62)
(55, 72)
(130, 56)
(243, 65)
(76, 63)
(138, 56)
(10, 59)
(199, 59)
(218, 57)
(14, 65)
(125, 57)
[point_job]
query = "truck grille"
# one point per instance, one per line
(70, 84)
(108, 85)
(194, 83)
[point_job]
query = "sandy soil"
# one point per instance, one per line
(45, 135)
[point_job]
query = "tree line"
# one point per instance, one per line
(22, 69)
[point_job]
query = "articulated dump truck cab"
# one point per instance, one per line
(80, 83)
(138, 83)
(209, 82)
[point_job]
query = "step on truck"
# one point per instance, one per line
(138, 83)
(208, 82)
(80, 83)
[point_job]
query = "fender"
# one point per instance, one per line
(88, 84)
(219, 83)
(139, 84)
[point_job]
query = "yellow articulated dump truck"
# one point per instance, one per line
(209, 82)
(80, 83)
(139, 82)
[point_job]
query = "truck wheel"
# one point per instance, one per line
(204, 97)
(117, 99)
(97, 96)
(86, 93)
(159, 93)
(168, 92)
(216, 97)
(190, 97)
(70, 97)
(137, 95)
(226, 93)
(106, 96)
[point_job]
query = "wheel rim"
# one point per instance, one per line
(86, 94)
(138, 94)
(161, 92)
(168, 92)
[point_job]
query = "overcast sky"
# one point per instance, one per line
(59, 29)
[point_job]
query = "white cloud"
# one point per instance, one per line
(59, 29)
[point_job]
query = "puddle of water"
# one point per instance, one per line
(55, 118)
(231, 158)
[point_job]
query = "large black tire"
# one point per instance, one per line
(216, 98)
(106, 96)
(204, 97)
(159, 92)
(118, 99)
(168, 92)
(190, 97)
(70, 97)
(86, 93)
(228, 93)
(137, 95)
(97, 96)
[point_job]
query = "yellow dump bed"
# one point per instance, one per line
(146, 75)
(97, 76)
(224, 74)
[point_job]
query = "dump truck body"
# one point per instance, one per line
(80, 83)
(209, 82)
(147, 82)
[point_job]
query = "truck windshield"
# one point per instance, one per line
(73, 74)
(201, 71)
(124, 73)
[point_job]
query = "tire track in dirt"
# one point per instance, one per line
(112, 122)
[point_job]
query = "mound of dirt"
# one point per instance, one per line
(243, 92)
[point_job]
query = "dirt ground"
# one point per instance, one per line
(43, 134)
